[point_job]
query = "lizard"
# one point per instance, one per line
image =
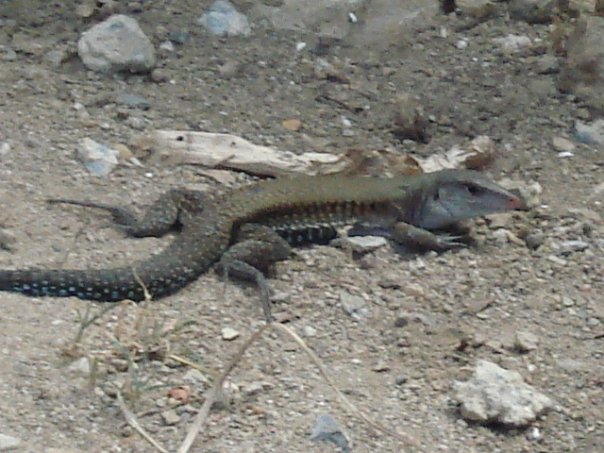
(247, 229)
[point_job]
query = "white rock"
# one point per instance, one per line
(309, 331)
(4, 148)
(572, 246)
(494, 394)
(116, 44)
(82, 365)
(99, 159)
(229, 334)
(222, 19)
(461, 44)
(514, 43)
(167, 46)
(363, 244)
(9, 442)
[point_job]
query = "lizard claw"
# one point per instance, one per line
(448, 242)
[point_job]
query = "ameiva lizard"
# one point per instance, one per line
(246, 230)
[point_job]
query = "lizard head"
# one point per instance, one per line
(455, 195)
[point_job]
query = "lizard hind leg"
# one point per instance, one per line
(169, 212)
(249, 259)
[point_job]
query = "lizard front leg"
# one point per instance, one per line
(258, 248)
(416, 237)
(170, 211)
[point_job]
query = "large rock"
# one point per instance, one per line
(496, 395)
(116, 44)
(582, 72)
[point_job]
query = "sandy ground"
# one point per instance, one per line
(399, 361)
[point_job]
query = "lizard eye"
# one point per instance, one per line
(473, 190)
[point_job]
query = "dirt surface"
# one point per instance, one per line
(428, 318)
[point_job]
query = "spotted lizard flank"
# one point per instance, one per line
(238, 230)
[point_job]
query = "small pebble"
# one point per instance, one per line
(326, 429)
(82, 366)
(525, 341)
(229, 334)
(534, 240)
(535, 434)
(567, 301)
(354, 306)
(170, 417)
(159, 75)
(309, 331)
(166, 47)
(563, 144)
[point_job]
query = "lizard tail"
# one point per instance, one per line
(108, 285)
(161, 274)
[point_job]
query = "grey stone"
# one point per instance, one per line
(548, 64)
(355, 306)
(8, 54)
(8, 241)
(326, 429)
(562, 144)
(133, 100)
(222, 19)
(170, 417)
(525, 341)
(116, 44)
(179, 37)
(534, 240)
(590, 134)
